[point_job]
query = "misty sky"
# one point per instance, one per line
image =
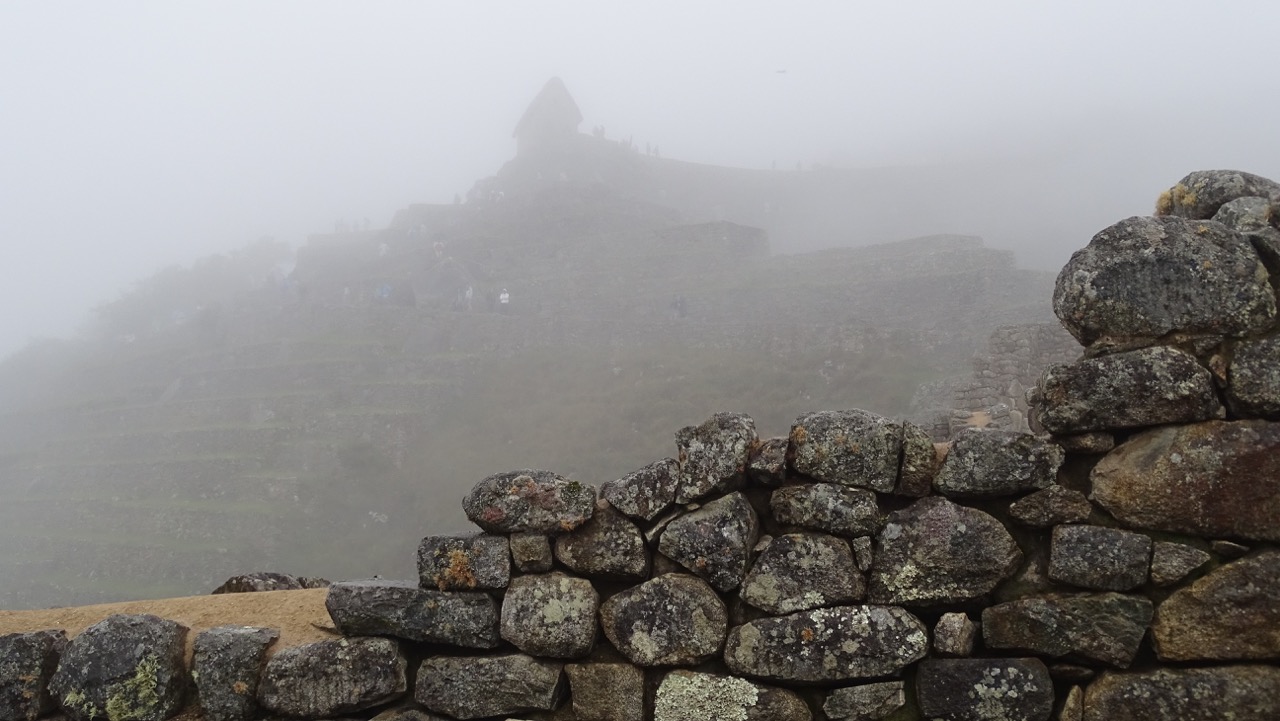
(134, 135)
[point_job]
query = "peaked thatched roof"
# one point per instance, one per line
(552, 108)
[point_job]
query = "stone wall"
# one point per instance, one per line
(1119, 563)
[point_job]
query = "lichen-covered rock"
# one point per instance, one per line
(1050, 507)
(1172, 562)
(984, 463)
(267, 581)
(827, 645)
(1102, 627)
(868, 702)
(27, 661)
(472, 687)
(1144, 278)
(226, 665)
(851, 448)
(1210, 479)
(713, 456)
(531, 552)
(1231, 614)
(827, 507)
(768, 462)
(714, 541)
(551, 614)
(608, 546)
(329, 678)
(799, 571)
(953, 636)
(529, 501)
(1252, 693)
(124, 668)
(379, 607)
(1202, 193)
(984, 689)
(919, 462)
(1105, 559)
(935, 552)
(863, 553)
(1253, 386)
(1144, 387)
(606, 691)
(473, 562)
(645, 493)
(689, 696)
(672, 620)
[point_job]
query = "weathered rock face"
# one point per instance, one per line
(1232, 614)
(484, 686)
(1106, 627)
(690, 696)
(799, 571)
(868, 702)
(646, 493)
(1106, 559)
(267, 581)
(713, 456)
(606, 691)
(935, 551)
(552, 615)
(126, 668)
(1050, 507)
(1253, 387)
(1201, 194)
(919, 462)
(827, 645)
(402, 609)
(1144, 387)
(1251, 693)
(226, 665)
(329, 678)
(767, 465)
(607, 546)
(953, 636)
(1172, 562)
(529, 501)
(1212, 479)
(531, 552)
(851, 448)
(986, 463)
(672, 620)
(985, 689)
(714, 541)
(27, 662)
(475, 562)
(1143, 278)
(827, 507)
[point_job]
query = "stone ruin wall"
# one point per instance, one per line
(1121, 564)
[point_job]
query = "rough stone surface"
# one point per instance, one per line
(953, 636)
(402, 609)
(1072, 705)
(608, 546)
(1228, 550)
(984, 463)
(1144, 387)
(1202, 194)
(483, 686)
(531, 552)
(1252, 693)
(713, 456)
(27, 661)
(919, 462)
(1253, 389)
(827, 507)
(827, 645)
(863, 553)
(690, 696)
(529, 501)
(268, 581)
(407, 713)
(125, 668)
(714, 541)
(1092, 444)
(800, 571)
(226, 665)
(645, 493)
(1105, 559)
(1050, 507)
(606, 691)
(1148, 277)
(1231, 614)
(1211, 479)
(1172, 562)
(329, 678)
(475, 562)
(672, 620)
(1103, 627)
(935, 551)
(985, 689)
(767, 465)
(868, 702)
(851, 448)
(551, 615)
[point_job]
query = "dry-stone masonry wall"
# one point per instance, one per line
(1123, 564)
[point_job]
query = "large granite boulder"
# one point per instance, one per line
(1253, 385)
(226, 665)
(983, 463)
(1144, 278)
(827, 645)
(935, 551)
(1105, 559)
(714, 541)
(1231, 614)
(1202, 194)
(606, 691)
(27, 662)
(984, 689)
(402, 609)
(690, 696)
(852, 448)
(472, 687)
(551, 615)
(608, 546)
(713, 456)
(330, 678)
(124, 668)
(1144, 387)
(1211, 479)
(868, 702)
(827, 507)
(529, 501)
(672, 620)
(1105, 627)
(645, 493)
(799, 571)
(473, 562)
(1249, 693)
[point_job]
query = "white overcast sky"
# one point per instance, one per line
(135, 135)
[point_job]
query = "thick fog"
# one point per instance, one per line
(139, 135)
